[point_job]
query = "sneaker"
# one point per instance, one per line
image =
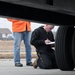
(29, 64)
(18, 65)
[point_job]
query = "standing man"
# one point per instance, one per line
(21, 31)
(41, 38)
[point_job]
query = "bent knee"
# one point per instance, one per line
(46, 66)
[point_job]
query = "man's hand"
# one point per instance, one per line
(47, 41)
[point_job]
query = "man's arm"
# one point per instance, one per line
(53, 40)
(35, 38)
(52, 36)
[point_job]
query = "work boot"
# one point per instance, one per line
(35, 64)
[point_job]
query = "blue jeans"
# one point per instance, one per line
(18, 37)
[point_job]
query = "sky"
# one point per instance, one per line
(4, 23)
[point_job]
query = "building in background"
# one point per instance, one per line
(4, 32)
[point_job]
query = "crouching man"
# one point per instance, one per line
(40, 38)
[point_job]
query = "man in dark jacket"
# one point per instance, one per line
(40, 38)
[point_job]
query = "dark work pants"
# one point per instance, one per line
(47, 60)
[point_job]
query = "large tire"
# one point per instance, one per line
(63, 48)
(73, 47)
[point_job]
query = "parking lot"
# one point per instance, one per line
(7, 68)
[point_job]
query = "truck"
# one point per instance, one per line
(56, 12)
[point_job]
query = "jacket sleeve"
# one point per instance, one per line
(52, 37)
(35, 38)
(11, 20)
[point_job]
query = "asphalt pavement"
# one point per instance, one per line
(7, 68)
